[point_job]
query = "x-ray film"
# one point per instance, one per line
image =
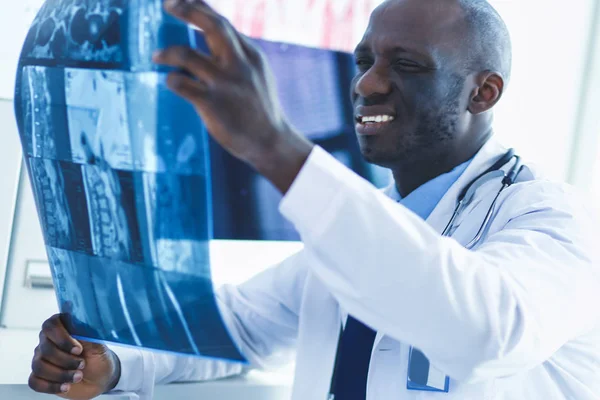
(129, 187)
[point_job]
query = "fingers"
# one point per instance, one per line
(43, 386)
(51, 353)
(252, 52)
(190, 60)
(42, 369)
(220, 35)
(56, 332)
(55, 366)
(188, 88)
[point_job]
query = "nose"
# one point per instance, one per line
(375, 81)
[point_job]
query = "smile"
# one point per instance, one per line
(373, 124)
(374, 119)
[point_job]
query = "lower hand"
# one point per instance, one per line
(234, 94)
(69, 368)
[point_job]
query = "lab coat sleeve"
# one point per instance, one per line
(494, 312)
(262, 317)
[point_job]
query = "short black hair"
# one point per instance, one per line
(489, 46)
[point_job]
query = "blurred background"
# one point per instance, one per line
(550, 114)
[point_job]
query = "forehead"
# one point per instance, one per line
(431, 27)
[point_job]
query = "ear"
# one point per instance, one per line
(489, 89)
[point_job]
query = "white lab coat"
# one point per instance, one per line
(518, 317)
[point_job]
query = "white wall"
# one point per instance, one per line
(10, 166)
(585, 166)
(538, 114)
(595, 174)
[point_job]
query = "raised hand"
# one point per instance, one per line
(233, 91)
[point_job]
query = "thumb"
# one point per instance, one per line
(81, 345)
(77, 347)
(86, 348)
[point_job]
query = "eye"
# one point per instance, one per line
(364, 63)
(408, 65)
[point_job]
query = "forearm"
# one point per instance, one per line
(142, 370)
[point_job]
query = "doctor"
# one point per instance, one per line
(508, 307)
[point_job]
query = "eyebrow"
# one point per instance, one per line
(363, 49)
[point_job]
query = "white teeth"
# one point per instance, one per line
(377, 119)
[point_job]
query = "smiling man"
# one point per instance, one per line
(469, 278)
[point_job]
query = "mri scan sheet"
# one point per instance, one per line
(129, 187)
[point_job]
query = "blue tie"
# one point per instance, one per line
(354, 356)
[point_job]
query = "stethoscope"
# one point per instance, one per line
(467, 195)
(465, 198)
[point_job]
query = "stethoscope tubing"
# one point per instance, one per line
(507, 180)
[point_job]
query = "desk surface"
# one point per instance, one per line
(16, 351)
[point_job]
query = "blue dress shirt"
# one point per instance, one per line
(357, 339)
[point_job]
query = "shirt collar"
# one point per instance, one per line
(425, 198)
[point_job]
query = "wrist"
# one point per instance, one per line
(116, 370)
(283, 158)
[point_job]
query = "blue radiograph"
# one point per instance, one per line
(129, 187)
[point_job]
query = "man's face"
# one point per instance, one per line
(408, 97)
